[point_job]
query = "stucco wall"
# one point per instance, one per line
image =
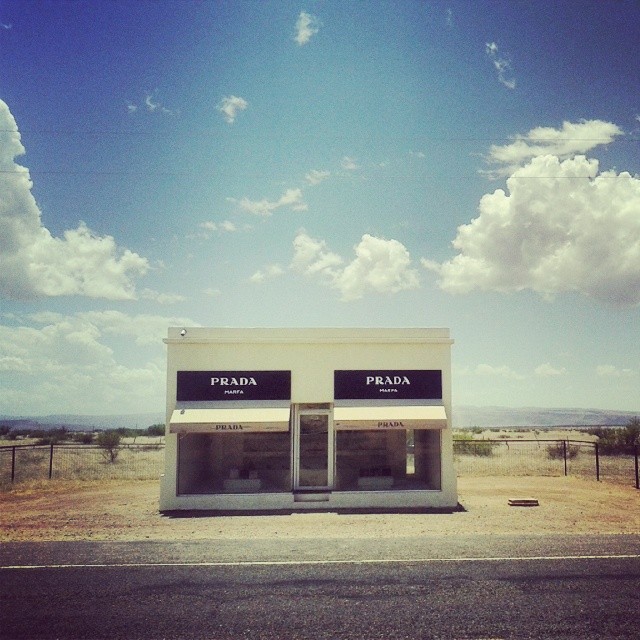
(311, 355)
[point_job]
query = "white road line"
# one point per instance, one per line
(295, 563)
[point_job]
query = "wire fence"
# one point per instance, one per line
(20, 463)
(544, 458)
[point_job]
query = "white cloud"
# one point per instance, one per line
(13, 364)
(315, 177)
(144, 329)
(546, 370)
(502, 371)
(291, 198)
(56, 363)
(307, 26)
(449, 17)
(609, 371)
(349, 164)
(161, 298)
(230, 106)
(561, 226)
(227, 226)
(268, 273)
(208, 227)
(33, 263)
(380, 266)
(312, 257)
(502, 65)
(570, 139)
(151, 104)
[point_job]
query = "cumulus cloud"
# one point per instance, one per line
(570, 139)
(207, 228)
(610, 371)
(143, 329)
(161, 298)
(307, 26)
(315, 177)
(268, 273)
(502, 371)
(291, 199)
(380, 266)
(230, 106)
(547, 370)
(34, 263)
(349, 164)
(502, 65)
(64, 363)
(560, 226)
(312, 257)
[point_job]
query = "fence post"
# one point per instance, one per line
(597, 462)
(51, 462)
(564, 454)
(13, 464)
(635, 454)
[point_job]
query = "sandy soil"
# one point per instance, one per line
(129, 511)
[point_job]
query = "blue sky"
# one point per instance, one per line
(473, 165)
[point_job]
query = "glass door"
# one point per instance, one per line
(313, 451)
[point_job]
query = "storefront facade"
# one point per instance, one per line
(263, 419)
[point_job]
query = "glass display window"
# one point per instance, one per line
(391, 459)
(234, 463)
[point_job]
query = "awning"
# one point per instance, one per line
(232, 420)
(395, 417)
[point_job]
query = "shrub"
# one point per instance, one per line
(618, 440)
(83, 438)
(109, 442)
(54, 436)
(155, 430)
(465, 445)
(556, 450)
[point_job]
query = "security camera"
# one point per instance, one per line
(183, 333)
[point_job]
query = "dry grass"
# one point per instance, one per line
(517, 458)
(511, 458)
(81, 463)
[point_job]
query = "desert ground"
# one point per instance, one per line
(128, 510)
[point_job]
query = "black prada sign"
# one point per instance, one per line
(412, 384)
(196, 386)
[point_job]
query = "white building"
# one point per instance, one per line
(263, 419)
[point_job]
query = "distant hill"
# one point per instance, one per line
(488, 417)
(84, 423)
(463, 416)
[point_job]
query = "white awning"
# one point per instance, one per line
(395, 417)
(232, 420)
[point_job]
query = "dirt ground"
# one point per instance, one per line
(129, 511)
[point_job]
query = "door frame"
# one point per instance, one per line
(297, 413)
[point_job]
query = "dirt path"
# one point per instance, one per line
(129, 511)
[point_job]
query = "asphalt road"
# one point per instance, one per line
(462, 587)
